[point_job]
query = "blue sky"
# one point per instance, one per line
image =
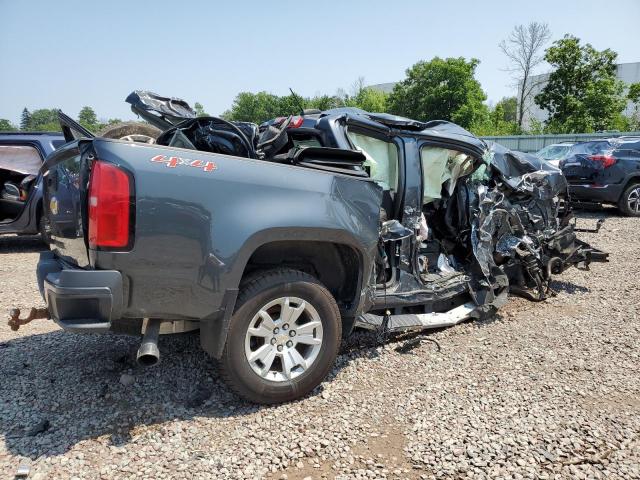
(67, 54)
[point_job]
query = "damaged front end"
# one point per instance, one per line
(522, 225)
(491, 222)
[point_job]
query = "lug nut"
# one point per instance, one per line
(273, 341)
(279, 348)
(285, 326)
(289, 344)
(276, 330)
(292, 333)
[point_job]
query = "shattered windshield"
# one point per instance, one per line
(553, 152)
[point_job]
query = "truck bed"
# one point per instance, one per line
(197, 217)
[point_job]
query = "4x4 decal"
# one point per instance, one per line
(173, 162)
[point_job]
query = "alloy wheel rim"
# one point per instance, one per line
(633, 200)
(283, 339)
(138, 138)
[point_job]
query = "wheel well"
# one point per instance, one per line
(336, 265)
(631, 181)
(628, 183)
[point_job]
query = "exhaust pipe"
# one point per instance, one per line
(148, 353)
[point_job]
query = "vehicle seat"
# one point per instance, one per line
(10, 191)
(10, 203)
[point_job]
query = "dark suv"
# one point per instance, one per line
(605, 171)
(21, 156)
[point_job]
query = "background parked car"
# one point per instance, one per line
(21, 155)
(605, 171)
(554, 153)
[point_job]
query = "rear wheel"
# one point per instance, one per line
(132, 132)
(283, 337)
(629, 202)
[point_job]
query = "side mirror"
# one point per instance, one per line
(10, 191)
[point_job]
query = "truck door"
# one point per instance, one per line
(385, 164)
(442, 167)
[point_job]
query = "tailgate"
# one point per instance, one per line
(65, 175)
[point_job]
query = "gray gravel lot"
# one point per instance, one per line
(546, 390)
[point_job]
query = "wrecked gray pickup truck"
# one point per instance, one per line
(276, 241)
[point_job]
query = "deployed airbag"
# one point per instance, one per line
(382, 159)
(442, 166)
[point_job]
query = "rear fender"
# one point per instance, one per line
(213, 329)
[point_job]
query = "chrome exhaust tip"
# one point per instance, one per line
(149, 354)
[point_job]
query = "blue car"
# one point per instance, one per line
(21, 156)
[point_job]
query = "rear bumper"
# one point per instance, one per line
(80, 300)
(590, 193)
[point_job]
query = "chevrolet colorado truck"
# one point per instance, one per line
(275, 241)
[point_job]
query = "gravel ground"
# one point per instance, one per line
(546, 390)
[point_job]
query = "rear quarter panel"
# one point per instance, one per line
(195, 230)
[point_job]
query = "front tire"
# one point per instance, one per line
(629, 203)
(283, 337)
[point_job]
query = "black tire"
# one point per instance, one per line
(258, 292)
(632, 190)
(126, 129)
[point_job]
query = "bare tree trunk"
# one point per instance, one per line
(524, 93)
(523, 49)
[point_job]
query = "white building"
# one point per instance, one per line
(627, 72)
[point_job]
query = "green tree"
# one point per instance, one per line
(253, 107)
(325, 102)
(443, 89)
(291, 104)
(88, 118)
(583, 93)
(497, 121)
(536, 127)
(7, 126)
(633, 95)
(370, 100)
(509, 107)
(25, 119)
(200, 110)
(44, 119)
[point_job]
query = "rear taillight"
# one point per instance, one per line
(606, 160)
(110, 203)
(296, 122)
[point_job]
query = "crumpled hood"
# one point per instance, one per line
(527, 173)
